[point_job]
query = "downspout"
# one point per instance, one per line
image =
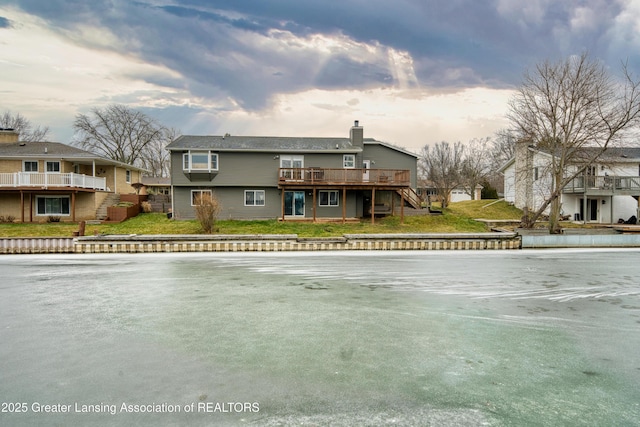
(173, 198)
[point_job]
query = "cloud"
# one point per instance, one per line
(253, 60)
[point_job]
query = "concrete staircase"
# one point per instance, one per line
(112, 199)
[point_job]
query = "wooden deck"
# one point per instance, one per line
(353, 178)
(608, 185)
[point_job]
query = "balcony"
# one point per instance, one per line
(604, 185)
(51, 180)
(344, 177)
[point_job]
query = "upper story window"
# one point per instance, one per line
(53, 166)
(291, 166)
(200, 161)
(349, 161)
(30, 166)
(127, 176)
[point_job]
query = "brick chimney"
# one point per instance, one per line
(8, 136)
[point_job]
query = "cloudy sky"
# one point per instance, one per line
(413, 72)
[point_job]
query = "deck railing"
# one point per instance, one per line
(320, 176)
(48, 180)
(583, 184)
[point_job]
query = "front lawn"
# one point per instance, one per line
(458, 217)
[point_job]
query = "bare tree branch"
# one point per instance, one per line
(119, 133)
(23, 126)
(573, 110)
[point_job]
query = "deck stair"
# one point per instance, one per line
(411, 197)
(111, 200)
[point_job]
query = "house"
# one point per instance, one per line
(459, 194)
(308, 178)
(607, 192)
(42, 180)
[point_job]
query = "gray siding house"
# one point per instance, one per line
(292, 178)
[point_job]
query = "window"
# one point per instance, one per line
(291, 167)
(200, 161)
(536, 173)
(254, 198)
(53, 166)
(30, 166)
(127, 176)
(328, 198)
(349, 161)
(197, 194)
(52, 205)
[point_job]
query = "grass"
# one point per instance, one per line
(458, 217)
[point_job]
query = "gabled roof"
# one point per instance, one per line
(54, 151)
(611, 155)
(388, 145)
(262, 144)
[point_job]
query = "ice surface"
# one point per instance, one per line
(384, 338)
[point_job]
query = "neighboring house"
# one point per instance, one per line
(607, 192)
(39, 180)
(154, 185)
(292, 177)
(458, 194)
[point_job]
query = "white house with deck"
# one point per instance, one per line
(607, 192)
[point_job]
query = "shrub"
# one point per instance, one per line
(207, 209)
(53, 218)
(146, 206)
(124, 205)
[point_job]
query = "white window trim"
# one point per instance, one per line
(24, 162)
(212, 165)
(200, 192)
(255, 192)
(329, 205)
(53, 162)
(349, 164)
(53, 213)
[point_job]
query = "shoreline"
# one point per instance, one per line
(259, 243)
(133, 243)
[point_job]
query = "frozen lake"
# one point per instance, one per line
(358, 338)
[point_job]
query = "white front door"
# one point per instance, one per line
(366, 165)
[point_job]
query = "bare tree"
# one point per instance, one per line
(502, 148)
(118, 132)
(441, 166)
(155, 158)
(573, 110)
(27, 131)
(476, 165)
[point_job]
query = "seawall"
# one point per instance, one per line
(259, 243)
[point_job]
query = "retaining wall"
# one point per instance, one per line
(262, 243)
(36, 245)
(581, 241)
